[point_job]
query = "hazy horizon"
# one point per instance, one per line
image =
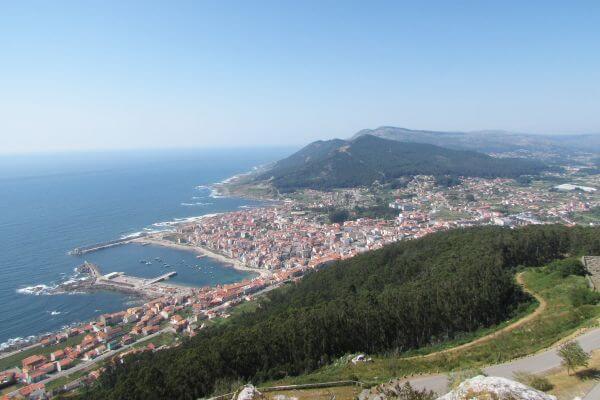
(128, 75)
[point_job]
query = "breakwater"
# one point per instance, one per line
(78, 251)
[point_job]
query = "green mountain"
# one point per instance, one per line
(404, 296)
(366, 159)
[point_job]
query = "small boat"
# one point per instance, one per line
(201, 256)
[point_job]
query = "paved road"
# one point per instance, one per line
(533, 364)
(89, 363)
(594, 394)
(12, 353)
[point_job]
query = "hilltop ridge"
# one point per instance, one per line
(367, 159)
(489, 140)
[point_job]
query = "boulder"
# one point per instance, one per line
(494, 388)
(249, 392)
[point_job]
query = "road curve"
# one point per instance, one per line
(517, 324)
(536, 363)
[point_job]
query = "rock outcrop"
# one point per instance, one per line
(248, 392)
(494, 388)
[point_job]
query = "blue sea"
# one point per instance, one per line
(52, 203)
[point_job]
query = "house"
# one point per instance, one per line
(35, 376)
(57, 355)
(100, 349)
(149, 330)
(127, 340)
(113, 345)
(87, 343)
(129, 318)
(112, 333)
(7, 378)
(35, 391)
(111, 319)
(61, 337)
(33, 362)
(136, 330)
(65, 363)
(48, 367)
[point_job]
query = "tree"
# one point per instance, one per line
(338, 216)
(573, 356)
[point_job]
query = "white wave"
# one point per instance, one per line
(198, 203)
(18, 341)
(132, 235)
(37, 290)
(214, 193)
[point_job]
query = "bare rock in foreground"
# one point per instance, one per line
(494, 388)
(249, 392)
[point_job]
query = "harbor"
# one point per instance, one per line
(119, 281)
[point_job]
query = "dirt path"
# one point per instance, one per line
(540, 309)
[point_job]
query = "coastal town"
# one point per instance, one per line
(281, 241)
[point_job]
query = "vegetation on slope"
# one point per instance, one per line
(405, 296)
(361, 162)
(559, 319)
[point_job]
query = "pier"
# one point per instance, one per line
(162, 277)
(79, 251)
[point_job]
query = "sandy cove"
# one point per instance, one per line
(203, 251)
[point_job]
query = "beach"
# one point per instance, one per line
(236, 264)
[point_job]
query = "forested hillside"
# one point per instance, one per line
(401, 297)
(366, 159)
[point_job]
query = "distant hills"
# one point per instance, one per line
(367, 158)
(488, 141)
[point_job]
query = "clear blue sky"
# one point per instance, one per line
(127, 74)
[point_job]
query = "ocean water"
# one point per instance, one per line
(50, 204)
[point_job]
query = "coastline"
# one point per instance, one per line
(236, 264)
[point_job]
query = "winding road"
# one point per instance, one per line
(536, 363)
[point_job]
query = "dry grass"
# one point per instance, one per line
(339, 393)
(566, 386)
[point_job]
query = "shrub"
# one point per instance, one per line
(457, 377)
(535, 381)
(581, 295)
(567, 266)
